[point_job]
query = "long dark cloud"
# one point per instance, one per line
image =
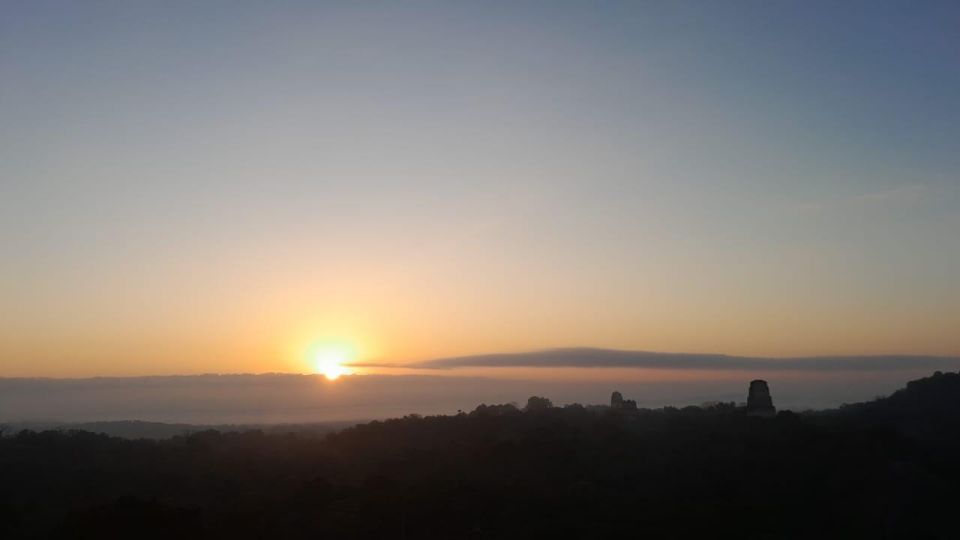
(609, 358)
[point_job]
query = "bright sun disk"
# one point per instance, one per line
(331, 360)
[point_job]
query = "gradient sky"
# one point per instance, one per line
(190, 187)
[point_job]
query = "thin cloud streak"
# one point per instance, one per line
(904, 196)
(610, 358)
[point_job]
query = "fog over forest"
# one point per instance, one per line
(279, 398)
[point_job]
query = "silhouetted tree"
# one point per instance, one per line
(536, 403)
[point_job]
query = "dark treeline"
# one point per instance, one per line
(884, 469)
(135, 429)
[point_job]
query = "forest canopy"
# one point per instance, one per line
(885, 468)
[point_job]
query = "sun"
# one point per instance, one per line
(330, 360)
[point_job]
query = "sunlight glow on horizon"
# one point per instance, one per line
(330, 359)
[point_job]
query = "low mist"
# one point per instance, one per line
(282, 398)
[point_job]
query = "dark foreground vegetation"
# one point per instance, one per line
(135, 429)
(885, 469)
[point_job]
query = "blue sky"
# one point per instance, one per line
(194, 187)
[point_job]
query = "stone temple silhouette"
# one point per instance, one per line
(618, 403)
(759, 402)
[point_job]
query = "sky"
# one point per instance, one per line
(224, 187)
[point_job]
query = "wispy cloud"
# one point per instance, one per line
(904, 196)
(608, 358)
(898, 196)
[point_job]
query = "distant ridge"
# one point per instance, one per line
(138, 429)
(927, 408)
